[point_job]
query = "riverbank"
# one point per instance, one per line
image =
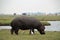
(5, 35)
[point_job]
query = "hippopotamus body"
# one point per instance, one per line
(26, 23)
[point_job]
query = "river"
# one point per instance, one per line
(55, 26)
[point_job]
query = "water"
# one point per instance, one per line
(5, 27)
(55, 26)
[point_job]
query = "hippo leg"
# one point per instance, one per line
(12, 31)
(31, 31)
(16, 31)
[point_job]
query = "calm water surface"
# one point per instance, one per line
(55, 26)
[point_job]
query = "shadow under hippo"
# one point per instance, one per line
(26, 23)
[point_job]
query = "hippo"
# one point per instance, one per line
(26, 23)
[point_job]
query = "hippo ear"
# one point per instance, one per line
(43, 25)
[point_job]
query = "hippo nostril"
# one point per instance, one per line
(42, 33)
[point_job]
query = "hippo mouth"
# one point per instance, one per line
(42, 33)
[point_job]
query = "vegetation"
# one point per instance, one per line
(5, 35)
(48, 18)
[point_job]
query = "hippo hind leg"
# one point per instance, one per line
(16, 31)
(12, 30)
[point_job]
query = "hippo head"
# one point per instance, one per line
(41, 29)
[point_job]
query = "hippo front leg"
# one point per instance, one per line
(31, 31)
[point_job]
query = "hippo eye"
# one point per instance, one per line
(43, 27)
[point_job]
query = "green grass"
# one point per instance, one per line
(5, 35)
(41, 18)
(48, 18)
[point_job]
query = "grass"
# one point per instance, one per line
(48, 18)
(5, 35)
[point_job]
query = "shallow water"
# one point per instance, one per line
(55, 26)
